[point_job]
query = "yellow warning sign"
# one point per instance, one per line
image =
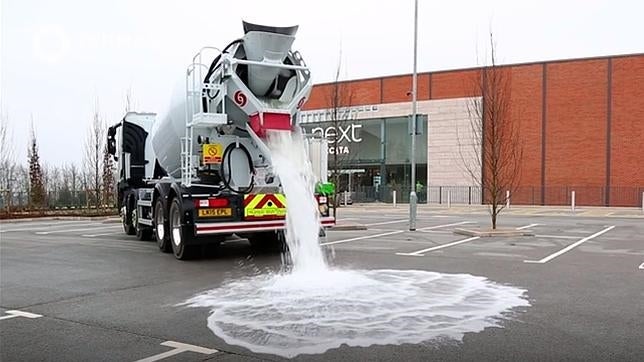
(264, 205)
(211, 153)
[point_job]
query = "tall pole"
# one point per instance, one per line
(414, 85)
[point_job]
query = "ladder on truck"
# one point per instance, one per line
(198, 117)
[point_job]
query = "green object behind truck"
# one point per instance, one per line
(325, 188)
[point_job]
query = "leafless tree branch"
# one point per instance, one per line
(497, 147)
(93, 160)
(339, 99)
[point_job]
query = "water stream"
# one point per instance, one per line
(313, 307)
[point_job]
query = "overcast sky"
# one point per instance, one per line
(59, 56)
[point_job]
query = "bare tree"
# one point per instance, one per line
(93, 160)
(339, 99)
(7, 161)
(65, 194)
(54, 184)
(69, 185)
(6, 148)
(21, 188)
(46, 170)
(74, 180)
(83, 178)
(108, 178)
(36, 177)
(494, 158)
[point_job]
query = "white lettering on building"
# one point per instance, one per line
(340, 150)
(346, 133)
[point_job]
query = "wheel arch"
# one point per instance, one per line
(162, 191)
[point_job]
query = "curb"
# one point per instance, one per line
(349, 227)
(489, 233)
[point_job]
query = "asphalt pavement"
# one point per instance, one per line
(79, 290)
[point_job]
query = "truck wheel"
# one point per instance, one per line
(144, 233)
(178, 236)
(160, 227)
(128, 216)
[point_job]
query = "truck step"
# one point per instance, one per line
(143, 221)
(208, 119)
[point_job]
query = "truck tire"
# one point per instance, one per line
(128, 217)
(160, 227)
(178, 234)
(143, 233)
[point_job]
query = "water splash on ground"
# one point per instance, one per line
(314, 308)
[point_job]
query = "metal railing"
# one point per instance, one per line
(435, 195)
(54, 200)
(622, 196)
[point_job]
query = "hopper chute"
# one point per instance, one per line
(269, 45)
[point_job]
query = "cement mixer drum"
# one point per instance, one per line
(254, 84)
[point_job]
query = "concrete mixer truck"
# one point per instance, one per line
(202, 171)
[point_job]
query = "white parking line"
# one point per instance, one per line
(18, 313)
(178, 348)
(393, 233)
(570, 247)
(445, 225)
(51, 225)
(76, 230)
(388, 222)
(420, 252)
(41, 223)
(434, 231)
(527, 226)
(363, 237)
(557, 236)
(103, 234)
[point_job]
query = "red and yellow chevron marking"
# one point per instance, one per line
(264, 206)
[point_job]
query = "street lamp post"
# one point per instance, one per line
(413, 199)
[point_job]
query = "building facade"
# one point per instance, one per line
(581, 124)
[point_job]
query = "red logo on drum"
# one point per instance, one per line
(240, 98)
(301, 102)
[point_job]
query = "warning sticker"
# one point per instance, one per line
(264, 205)
(212, 153)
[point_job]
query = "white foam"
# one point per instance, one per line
(288, 315)
(315, 308)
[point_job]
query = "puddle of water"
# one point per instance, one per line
(292, 314)
(313, 307)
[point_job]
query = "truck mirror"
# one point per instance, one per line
(111, 141)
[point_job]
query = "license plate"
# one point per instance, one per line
(220, 212)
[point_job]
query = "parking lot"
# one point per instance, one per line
(80, 290)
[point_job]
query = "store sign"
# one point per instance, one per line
(346, 133)
(335, 136)
(340, 150)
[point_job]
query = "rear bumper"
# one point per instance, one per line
(211, 228)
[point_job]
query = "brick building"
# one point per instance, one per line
(581, 124)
